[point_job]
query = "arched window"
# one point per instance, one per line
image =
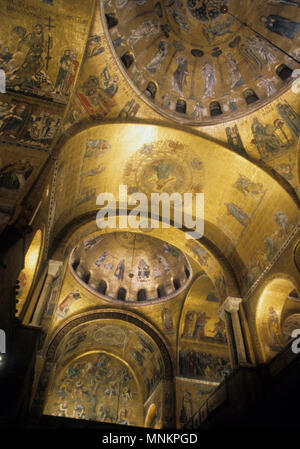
(111, 20)
(141, 296)
(161, 291)
(187, 271)
(86, 277)
(127, 60)
(176, 284)
(284, 72)
(121, 294)
(197, 53)
(250, 96)
(102, 287)
(150, 91)
(75, 264)
(181, 106)
(215, 109)
(293, 294)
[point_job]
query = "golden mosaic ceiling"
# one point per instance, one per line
(131, 267)
(197, 61)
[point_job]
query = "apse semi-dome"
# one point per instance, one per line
(203, 61)
(124, 266)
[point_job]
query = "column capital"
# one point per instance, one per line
(54, 267)
(231, 304)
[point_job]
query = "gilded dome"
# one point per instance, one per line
(125, 266)
(202, 61)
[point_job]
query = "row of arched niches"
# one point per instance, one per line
(130, 267)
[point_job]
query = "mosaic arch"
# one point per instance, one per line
(203, 353)
(202, 334)
(129, 364)
(278, 302)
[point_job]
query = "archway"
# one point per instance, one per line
(203, 357)
(278, 301)
(27, 275)
(105, 367)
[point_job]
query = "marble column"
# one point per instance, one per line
(229, 313)
(54, 267)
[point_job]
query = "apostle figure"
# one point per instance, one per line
(65, 305)
(238, 214)
(274, 326)
(99, 261)
(186, 411)
(94, 47)
(167, 319)
(33, 62)
(159, 57)
(219, 331)
(188, 325)
(119, 273)
(14, 121)
(290, 116)
(180, 74)
(265, 139)
(263, 49)
(234, 72)
(198, 110)
(144, 30)
(281, 25)
(208, 73)
(269, 88)
(201, 321)
(67, 73)
(65, 63)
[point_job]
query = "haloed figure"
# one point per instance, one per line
(180, 74)
(281, 25)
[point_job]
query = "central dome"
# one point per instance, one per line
(130, 267)
(201, 61)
